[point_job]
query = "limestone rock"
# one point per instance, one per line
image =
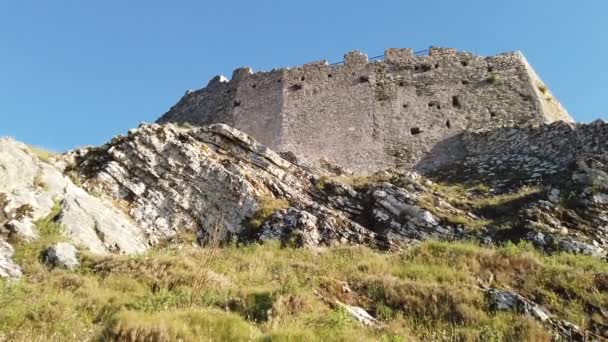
(502, 300)
(359, 314)
(287, 223)
(171, 178)
(31, 189)
(8, 269)
(61, 255)
(396, 211)
(162, 179)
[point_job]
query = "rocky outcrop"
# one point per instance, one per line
(32, 189)
(159, 180)
(170, 178)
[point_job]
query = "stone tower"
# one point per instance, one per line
(402, 110)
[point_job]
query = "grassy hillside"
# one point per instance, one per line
(269, 293)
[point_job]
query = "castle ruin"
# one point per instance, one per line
(398, 111)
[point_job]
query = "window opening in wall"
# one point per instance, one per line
(330, 75)
(363, 79)
(464, 63)
(237, 103)
(492, 114)
(436, 65)
(426, 67)
(303, 78)
(448, 124)
(295, 87)
(254, 86)
(490, 69)
(415, 130)
(406, 105)
(401, 83)
(465, 82)
(456, 102)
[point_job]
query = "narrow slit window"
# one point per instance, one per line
(456, 102)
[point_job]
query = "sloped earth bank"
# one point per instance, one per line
(163, 182)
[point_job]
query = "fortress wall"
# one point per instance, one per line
(373, 115)
(560, 142)
(329, 113)
(212, 104)
(258, 104)
(392, 113)
(551, 108)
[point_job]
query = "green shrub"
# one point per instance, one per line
(493, 78)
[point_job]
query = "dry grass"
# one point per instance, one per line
(356, 181)
(180, 325)
(42, 154)
(268, 206)
(209, 251)
(264, 292)
(477, 199)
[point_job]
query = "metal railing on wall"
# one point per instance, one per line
(420, 53)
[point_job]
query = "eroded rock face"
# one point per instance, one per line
(170, 178)
(31, 189)
(160, 180)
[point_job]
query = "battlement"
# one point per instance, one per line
(374, 113)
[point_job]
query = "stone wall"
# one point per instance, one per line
(559, 142)
(374, 115)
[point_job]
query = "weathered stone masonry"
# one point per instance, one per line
(375, 115)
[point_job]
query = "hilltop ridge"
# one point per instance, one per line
(435, 198)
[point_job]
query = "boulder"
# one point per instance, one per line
(61, 254)
(502, 300)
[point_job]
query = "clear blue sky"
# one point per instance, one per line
(78, 72)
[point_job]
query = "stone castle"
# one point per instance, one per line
(403, 110)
